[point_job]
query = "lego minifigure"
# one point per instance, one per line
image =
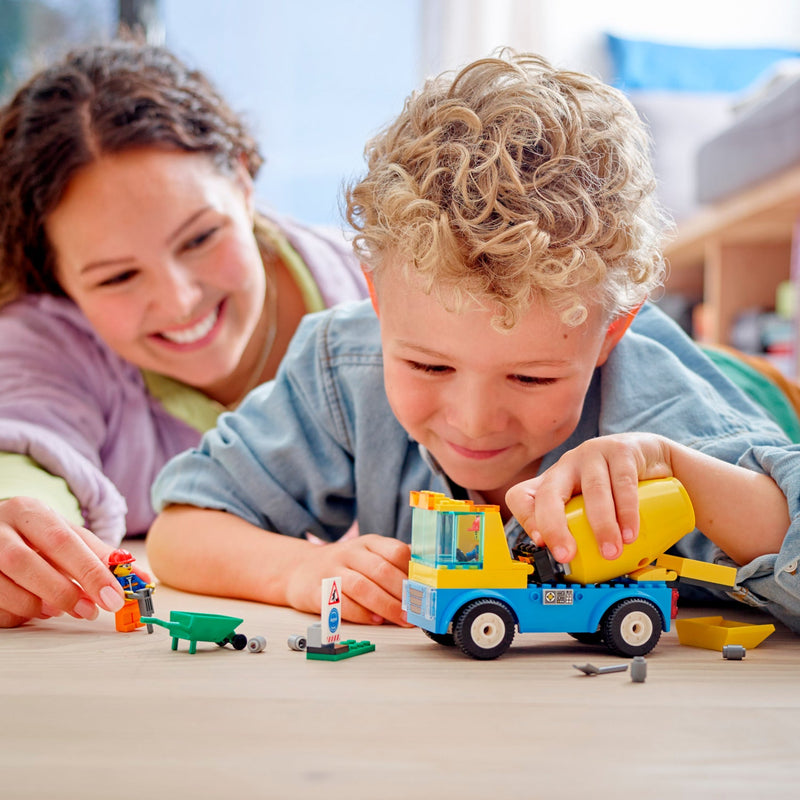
(136, 590)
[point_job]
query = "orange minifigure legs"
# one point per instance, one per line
(127, 618)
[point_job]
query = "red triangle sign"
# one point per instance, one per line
(334, 598)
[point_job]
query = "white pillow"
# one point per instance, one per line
(679, 123)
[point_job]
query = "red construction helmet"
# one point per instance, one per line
(120, 557)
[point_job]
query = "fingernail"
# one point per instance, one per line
(85, 609)
(377, 619)
(628, 535)
(609, 551)
(111, 599)
(560, 554)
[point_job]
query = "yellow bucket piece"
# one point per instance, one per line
(713, 633)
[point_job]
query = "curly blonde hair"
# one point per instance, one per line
(511, 182)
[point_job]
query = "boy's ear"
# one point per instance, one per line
(616, 330)
(373, 295)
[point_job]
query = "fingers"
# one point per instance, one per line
(372, 569)
(521, 502)
(46, 563)
(394, 551)
(611, 501)
(606, 471)
(610, 487)
(366, 602)
(17, 605)
(539, 506)
(373, 585)
(352, 611)
(9, 620)
(29, 579)
(103, 550)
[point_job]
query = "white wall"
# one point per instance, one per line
(570, 32)
(318, 77)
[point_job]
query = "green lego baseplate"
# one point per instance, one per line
(339, 651)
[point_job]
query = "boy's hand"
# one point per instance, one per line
(49, 567)
(372, 569)
(606, 471)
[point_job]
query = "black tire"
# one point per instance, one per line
(595, 637)
(239, 641)
(484, 629)
(445, 639)
(632, 627)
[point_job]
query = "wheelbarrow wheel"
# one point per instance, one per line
(238, 641)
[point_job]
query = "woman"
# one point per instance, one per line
(141, 293)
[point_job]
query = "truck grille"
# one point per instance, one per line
(415, 600)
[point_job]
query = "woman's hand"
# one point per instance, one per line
(50, 567)
(372, 569)
(606, 471)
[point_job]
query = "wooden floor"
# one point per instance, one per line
(91, 713)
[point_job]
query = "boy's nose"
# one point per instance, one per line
(476, 413)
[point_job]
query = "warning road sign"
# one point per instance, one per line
(331, 610)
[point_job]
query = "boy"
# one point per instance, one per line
(509, 232)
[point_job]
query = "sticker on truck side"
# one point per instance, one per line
(557, 597)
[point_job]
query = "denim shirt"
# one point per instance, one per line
(319, 447)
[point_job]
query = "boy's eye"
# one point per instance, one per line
(200, 239)
(119, 278)
(529, 380)
(429, 369)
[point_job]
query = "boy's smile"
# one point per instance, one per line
(487, 405)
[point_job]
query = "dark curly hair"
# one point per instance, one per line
(98, 100)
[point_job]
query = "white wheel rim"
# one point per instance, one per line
(636, 628)
(487, 630)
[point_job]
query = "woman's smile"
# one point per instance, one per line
(196, 333)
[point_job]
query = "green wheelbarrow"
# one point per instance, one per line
(201, 628)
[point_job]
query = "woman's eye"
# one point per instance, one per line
(429, 369)
(116, 280)
(200, 239)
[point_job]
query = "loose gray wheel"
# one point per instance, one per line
(638, 669)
